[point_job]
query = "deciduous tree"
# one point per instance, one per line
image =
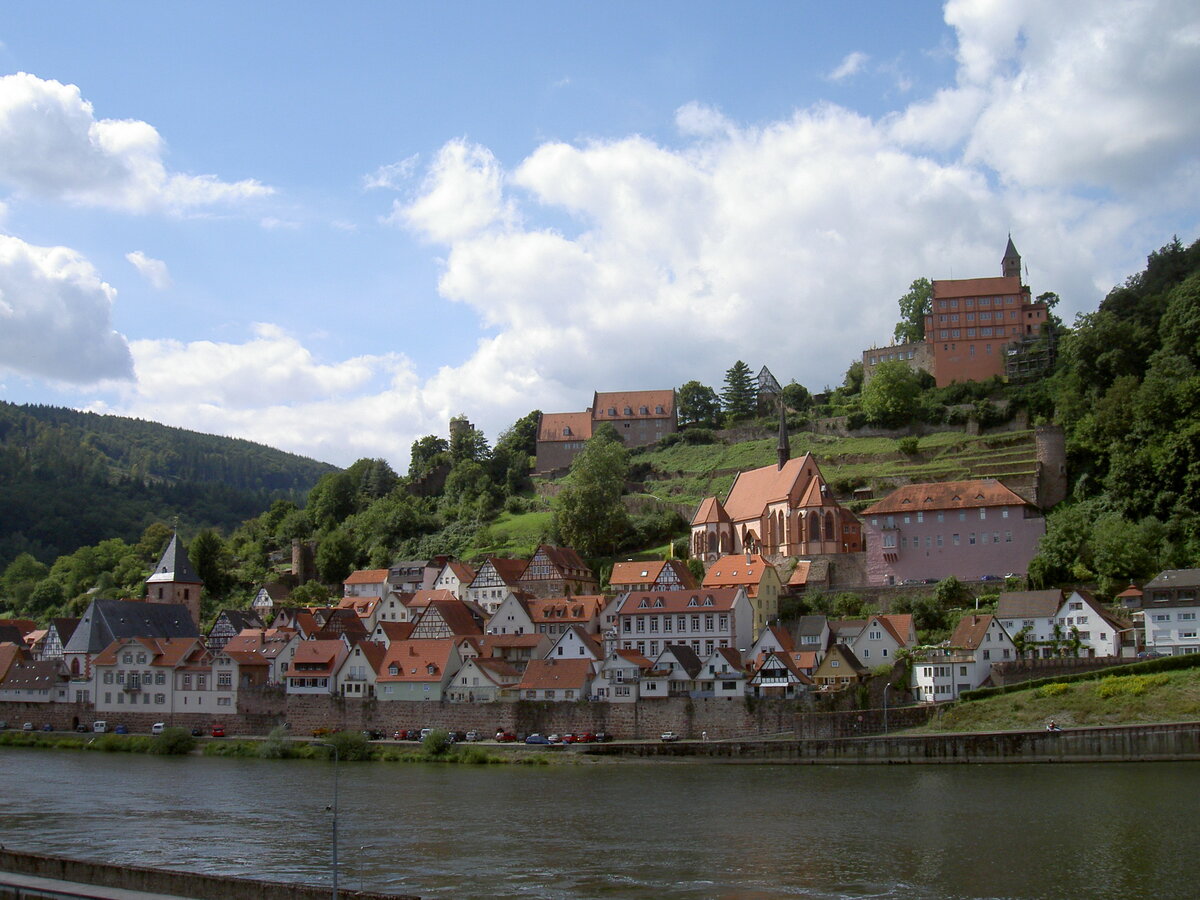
(698, 406)
(914, 306)
(588, 513)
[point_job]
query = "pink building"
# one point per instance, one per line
(967, 529)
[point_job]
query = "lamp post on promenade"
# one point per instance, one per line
(335, 816)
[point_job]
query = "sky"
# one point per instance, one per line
(331, 227)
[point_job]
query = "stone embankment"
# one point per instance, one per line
(1114, 743)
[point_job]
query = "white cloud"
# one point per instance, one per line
(698, 120)
(852, 64)
(461, 195)
(56, 317)
(271, 223)
(393, 175)
(1091, 93)
(153, 270)
(52, 146)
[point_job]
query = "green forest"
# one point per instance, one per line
(1124, 384)
(70, 479)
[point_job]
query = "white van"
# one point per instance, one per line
(99, 727)
(158, 728)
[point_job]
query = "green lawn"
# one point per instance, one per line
(511, 535)
(1115, 700)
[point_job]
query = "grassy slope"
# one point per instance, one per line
(696, 472)
(511, 535)
(1116, 700)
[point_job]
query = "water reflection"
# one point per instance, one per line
(638, 831)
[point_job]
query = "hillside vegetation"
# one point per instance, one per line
(69, 479)
(1125, 387)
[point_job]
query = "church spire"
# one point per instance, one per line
(783, 449)
(1010, 265)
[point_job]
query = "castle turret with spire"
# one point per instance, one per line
(1010, 265)
(175, 581)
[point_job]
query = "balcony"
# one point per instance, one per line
(132, 687)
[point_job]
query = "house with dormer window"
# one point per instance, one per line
(967, 529)
(652, 575)
(417, 670)
(703, 619)
(557, 572)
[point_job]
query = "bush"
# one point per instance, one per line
(173, 742)
(908, 445)
(278, 744)
(351, 746)
(1164, 664)
(1129, 685)
(436, 743)
(697, 436)
(1053, 690)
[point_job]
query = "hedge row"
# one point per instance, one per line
(1142, 667)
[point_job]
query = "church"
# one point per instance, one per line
(782, 510)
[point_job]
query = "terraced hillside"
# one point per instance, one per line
(685, 475)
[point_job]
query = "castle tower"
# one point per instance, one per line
(1010, 266)
(175, 581)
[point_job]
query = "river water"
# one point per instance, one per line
(628, 830)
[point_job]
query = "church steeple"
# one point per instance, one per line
(175, 581)
(1010, 265)
(783, 450)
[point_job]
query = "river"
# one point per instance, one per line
(627, 830)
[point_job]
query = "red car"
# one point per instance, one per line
(585, 737)
(218, 731)
(505, 737)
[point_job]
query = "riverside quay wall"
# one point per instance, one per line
(716, 718)
(60, 876)
(1113, 743)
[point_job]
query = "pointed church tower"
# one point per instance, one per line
(783, 450)
(175, 581)
(1011, 264)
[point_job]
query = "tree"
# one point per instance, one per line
(210, 560)
(335, 557)
(914, 306)
(467, 442)
(426, 453)
(588, 513)
(797, 397)
(741, 394)
(698, 406)
(852, 383)
(332, 499)
(890, 397)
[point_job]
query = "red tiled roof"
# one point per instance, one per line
(633, 656)
(324, 655)
(461, 570)
(752, 490)
(946, 495)
(367, 576)
(678, 601)
(493, 642)
(169, 652)
(413, 659)
(711, 512)
(543, 674)
(396, 631)
(573, 426)
(456, 615)
(583, 608)
(509, 570)
(423, 598)
(800, 573)
(602, 402)
(976, 287)
(970, 631)
(735, 570)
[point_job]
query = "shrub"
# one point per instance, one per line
(1053, 690)
(908, 445)
(475, 756)
(173, 742)
(278, 744)
(698, 436)
(351, 746)
(1130, 685)
(436, 743)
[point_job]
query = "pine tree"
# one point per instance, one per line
(739, 397)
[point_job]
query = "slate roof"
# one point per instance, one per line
(174, 566)
(687, 658)
(106, 620)
(1173, 578)
(946, 495)
(241, 619)
(34, 675)
(812, 625)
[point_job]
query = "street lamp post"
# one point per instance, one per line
(335, 817)
(886, 688)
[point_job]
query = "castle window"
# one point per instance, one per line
(612, 410)
(643, 411)
(659, 411)
(629, 410)
(566, 429)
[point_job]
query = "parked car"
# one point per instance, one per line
(669, 736)
(537, 739)
(505, 737)
(121, 729)
(585, 737)
(473, 735)
(1150, 654)
(569, 738)
(990, 578)
(218, 731)
(81, 728)
(28, 726)
(554, 739)
(603, 737)
(3, 725)
(372, 734)
(47, 727)
(457, 737)
(197, 731)
(321, 732)
(100, 727)
(158, 728)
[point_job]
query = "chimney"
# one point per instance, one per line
(749, 557)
